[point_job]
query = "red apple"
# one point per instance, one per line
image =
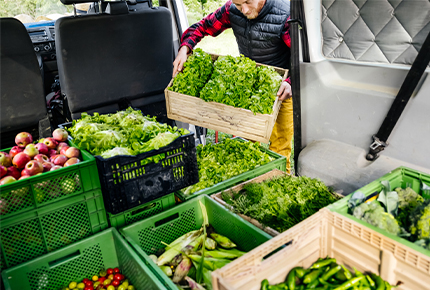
(22, 139)
(20, 160)
(64, 149)
(7, 179)
(41, 158)
(31, 150)
(60, 135)
(52, 152)
(3, 171)
(50, 142)
(25, 172)
(15, 150)
(55, 167)
(72, 152)
(71, 161)
(24, 177)
(61, 145)
(5, 159)
(59, 159)
(33, 167)
(12, 171)
(47, 166)
(43, 149)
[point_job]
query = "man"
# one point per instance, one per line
(262, 34)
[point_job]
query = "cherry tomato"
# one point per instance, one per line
(88, 283)
(101, 279)
(110, 277)
(107, 282)
(109, 271)
(89, 288)
(110, 287)
(85, 280)
(116, 283)
(95, 278)
(118, 277)
(116, 270)
(81, 285)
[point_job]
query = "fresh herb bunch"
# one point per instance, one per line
(218, 162)
(281, 202)
(197, 70)
(236, 81)
(123, 133)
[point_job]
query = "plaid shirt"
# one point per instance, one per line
(214, 24)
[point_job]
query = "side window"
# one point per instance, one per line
(381, 31)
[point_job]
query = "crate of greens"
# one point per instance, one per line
(233, 95)
(276, 201)
(103, 261)
(138, 159)
(228, 163)
(184, 244)
(396, 205)
(327, 251)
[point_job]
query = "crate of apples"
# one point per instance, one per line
(110, 279)
(29, 158)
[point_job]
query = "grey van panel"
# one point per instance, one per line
(374, 31)
(345, 101)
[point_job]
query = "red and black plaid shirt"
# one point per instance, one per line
(214, 24)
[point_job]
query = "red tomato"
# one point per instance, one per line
(116, 283)
(85, 280)
(89, 288)
(89, 284)
(109, 271)
(116, 270)
(101, 279)
(118, 277)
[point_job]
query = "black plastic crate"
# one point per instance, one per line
(128, 182)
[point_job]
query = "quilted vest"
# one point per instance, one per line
(261, 38)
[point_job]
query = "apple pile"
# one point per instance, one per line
(110, 279)
(27, 159)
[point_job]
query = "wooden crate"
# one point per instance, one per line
(220, 117)
(261, 178)
(325, 234)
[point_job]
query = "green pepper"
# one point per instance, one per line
(330, 272)
(322, 263)
(380, 284)
(300, 272)
(347, 274)
(350, 283)
(265, 284)
(313, 284)
(371, 282)
(340, 275)
(291, 279)
(388, 286)
(312, 276)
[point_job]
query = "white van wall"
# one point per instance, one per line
(344, 102)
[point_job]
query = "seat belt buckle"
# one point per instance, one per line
(375, 148)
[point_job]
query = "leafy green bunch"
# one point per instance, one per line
(281, 202)
(196, 72)
(218, 162)
(123, 133)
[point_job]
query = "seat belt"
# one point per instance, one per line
(408, 87)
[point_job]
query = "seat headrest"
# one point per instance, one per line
(116, 8)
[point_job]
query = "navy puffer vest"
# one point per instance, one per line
(261, 38)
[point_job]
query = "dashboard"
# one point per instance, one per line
(43, 39)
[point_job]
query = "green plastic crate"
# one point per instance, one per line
(82, 260)
(146, 236)
(401, 177)
(43, 230)
(141, 212)
(280, 162)
(49, 187)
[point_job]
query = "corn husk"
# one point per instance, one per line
(166, 270)
(209, 263)
(193, 284)
(182, 270)
(168, 255)
(210, 244)
(223, 241)
(224, 254)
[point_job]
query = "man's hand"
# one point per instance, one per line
(181, 58)
(284, 91)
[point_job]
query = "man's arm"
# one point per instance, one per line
(285, 89)
(213, 25)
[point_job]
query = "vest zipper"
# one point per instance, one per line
(248, 36)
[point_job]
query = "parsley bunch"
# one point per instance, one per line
(218, 162)
(197, 70)
(281, 202)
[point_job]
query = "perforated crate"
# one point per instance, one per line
(49, 187)
(401, 177)
(146, 236)
(81, 260)
(43, 230)
(141, 212)
(279, 162)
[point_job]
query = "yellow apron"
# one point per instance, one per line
(283, 131)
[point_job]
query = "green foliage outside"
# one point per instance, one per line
(33, 8)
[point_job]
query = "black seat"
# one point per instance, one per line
(104, 58)
(23, 103)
